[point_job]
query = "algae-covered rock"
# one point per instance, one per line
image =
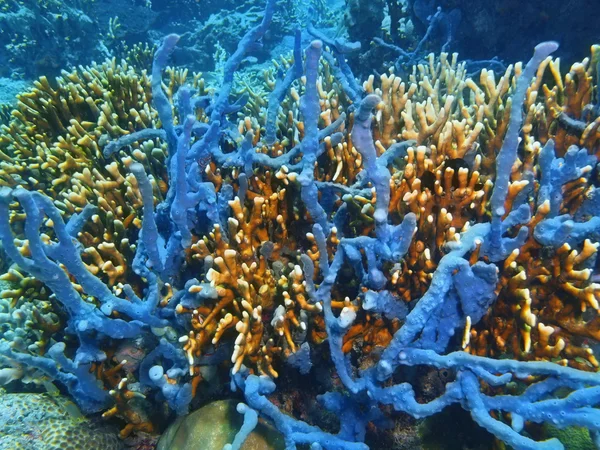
(50, 422)
(213, 426)
(573, 438)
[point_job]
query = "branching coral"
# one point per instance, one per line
(569, 112)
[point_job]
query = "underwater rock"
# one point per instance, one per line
(454, 429)
(363, 20)
(48, 422)
(139, 19)
(215, 425)
(208, 44)
(486, 27)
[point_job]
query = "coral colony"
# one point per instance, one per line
(435, 221)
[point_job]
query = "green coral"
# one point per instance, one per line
(573, 438)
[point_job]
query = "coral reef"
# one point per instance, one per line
(48, 422)
(408, 243)
(47, 36)
(57, 34)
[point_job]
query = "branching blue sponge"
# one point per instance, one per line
(458, 291)
(158, 257)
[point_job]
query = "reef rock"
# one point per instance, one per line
(215, 425)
